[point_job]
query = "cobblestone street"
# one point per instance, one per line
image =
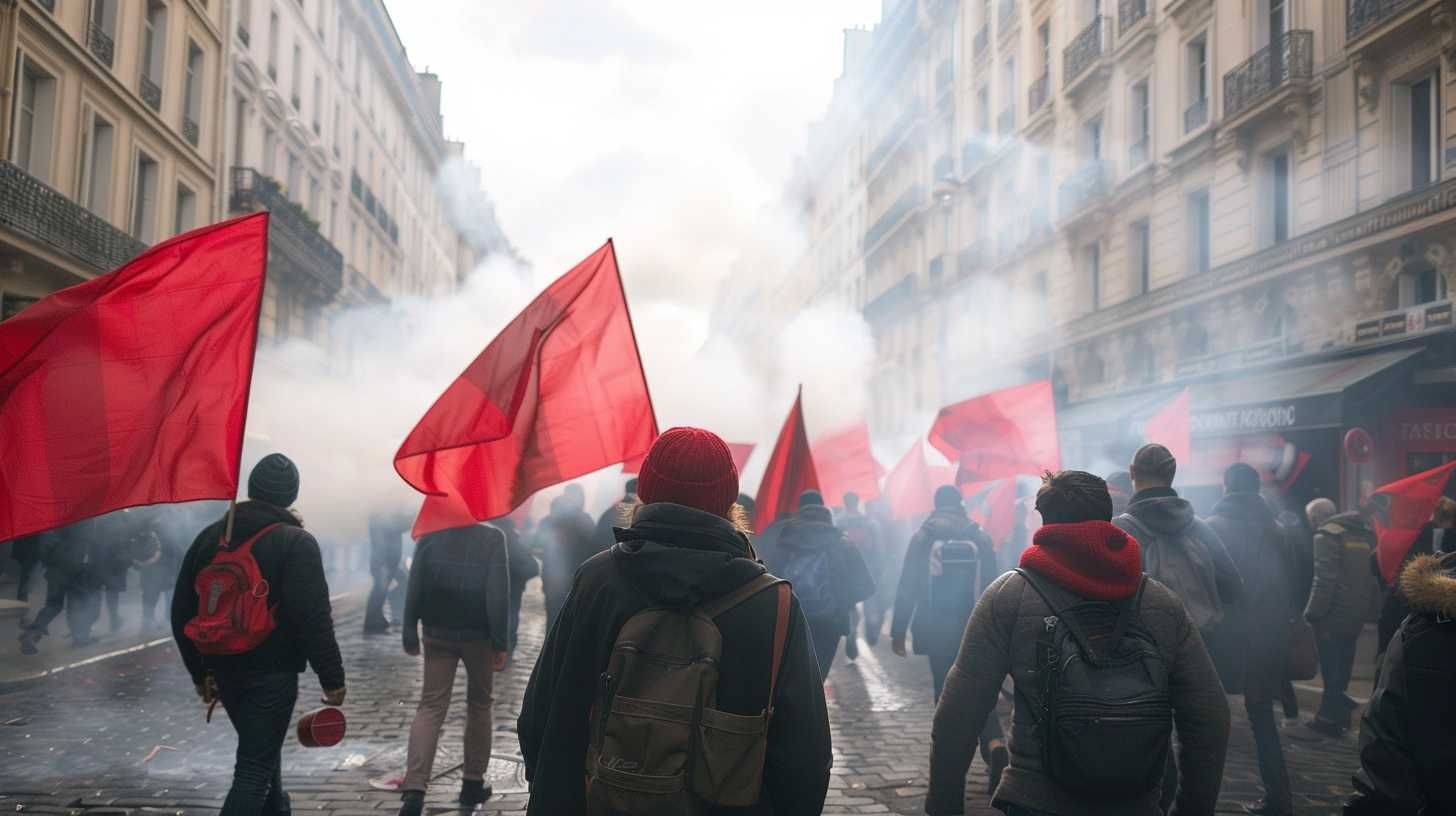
(127, 735)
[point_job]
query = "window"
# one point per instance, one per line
(184, 215)
(1008, 96)
(1279, 224)
(297, 76)
(1195, 115)
(313, 196)
(273, 45)
(1415, 136)
(154, 45)
(1044, 40)
(293, 177)
(34, 119)
(101, 30)
(336, 133)
(1139, 127)
(144, 199)
(1092, 259)
(97, 142)
(1200, 230)
(1139, 255)
(270, 150)
(318, 104)
(1092, 139)
(192, 113)
(240, 131)
(1418, 285)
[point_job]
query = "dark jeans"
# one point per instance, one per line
(940, 666)
(384, 575)
(826, 644)
(28, 570)
(260, 706)
(81, 604)
(1272, 769)
(1337, 661)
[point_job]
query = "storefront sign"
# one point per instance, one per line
(1240, 420)
(1429, 431)
(1392, 324)
(1438, 315)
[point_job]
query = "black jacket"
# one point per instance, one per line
(1407, 753)
(460, 587)
(935, 634)
(675, 556)
(1251, 646)
(288, 557)
(812, 528)
(566, 538)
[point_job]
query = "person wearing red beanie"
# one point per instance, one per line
(681, 550)
(1081, 556)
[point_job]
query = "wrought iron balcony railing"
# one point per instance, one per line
(1085, 49)
(190, 131)
(1196, 115)
(1039, 92)
(1088, 184)
(1129, 12)
(1363, 15)
(314, 255)
(903, 206)
(99, 43)
(151, 93)
(32, 208)
(1272, 67)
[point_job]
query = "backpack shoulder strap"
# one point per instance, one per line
(717, 606)
(251, 540)
(780, 638)
(1041, 590)
(1125, 615)
(1073, 627)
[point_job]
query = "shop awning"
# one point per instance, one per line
(1117, 411)
(1303, 397)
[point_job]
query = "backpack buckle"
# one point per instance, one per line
(1050, 621)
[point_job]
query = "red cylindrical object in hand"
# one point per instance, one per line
(322, 728)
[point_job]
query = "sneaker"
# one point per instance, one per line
(27, 643)
(999, 760)
(412, 803)
(1264, 807)
(474, 792)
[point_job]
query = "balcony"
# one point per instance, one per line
(190, 131)
(99, 43)
(1005, 15)
(151, 93)
(981, 43)
(1195, 116)
(1130, 13)
(1272, 70)
(906, 204)
(1083, 58)
(944, 80)
(295, 245)
(1006, 121)
(1039, 93)
(243, 36)
(1368, 20)
(1086, 186)
(893, 137)
(31, 208)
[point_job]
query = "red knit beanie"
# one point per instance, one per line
(691, 467)
(1094, 559)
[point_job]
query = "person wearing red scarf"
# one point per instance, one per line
(1082, 555)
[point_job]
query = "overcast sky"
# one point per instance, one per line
(667, 125)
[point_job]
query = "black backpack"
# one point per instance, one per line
(955, 579)
(1106, 717)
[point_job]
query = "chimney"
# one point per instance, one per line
(430, 88)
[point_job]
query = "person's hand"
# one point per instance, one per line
(412, 648)
(334, 697)
(498, 663)
(206, 690)
(898, 646)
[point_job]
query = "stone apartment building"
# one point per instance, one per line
(110, 134)
(1253, 200)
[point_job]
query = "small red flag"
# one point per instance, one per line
(1170, 427)
(1403, 508)
(1011, 432)
(910, 487)
(557, 394)
(993, 505)
(132, 388)
(845, 463)
(790, 470)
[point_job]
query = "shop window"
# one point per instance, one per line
(34, 119)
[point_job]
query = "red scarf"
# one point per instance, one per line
(1093, 559)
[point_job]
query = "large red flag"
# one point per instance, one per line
(790, 470)
(993, 505)
(910, 487)
(557, 394)
(1404, 507)
(1011, 432)
(1170, 427)
(132, 388)
(845, 464)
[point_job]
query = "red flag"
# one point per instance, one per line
(1405, 506)
(739, 450)
(557, 394)
(1010, 432)
(993, 505)
(132, 388)
(910, 487)
(845, 463)
(790, 470)
(1169, 427)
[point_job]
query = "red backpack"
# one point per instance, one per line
(233, 615)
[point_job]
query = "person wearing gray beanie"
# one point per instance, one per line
(274, 480)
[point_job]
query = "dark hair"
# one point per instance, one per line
(632, 486)
(1154, 462)
(851, 500)
(1072, 496)
(1240, 478)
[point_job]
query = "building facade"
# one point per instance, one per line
(111, 126)
(1253, 201)
(331, 128)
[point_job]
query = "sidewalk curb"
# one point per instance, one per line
(7, 686)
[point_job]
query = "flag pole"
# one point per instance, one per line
(632, 329)
(227, 535)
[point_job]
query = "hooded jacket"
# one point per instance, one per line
(1344, 595)
(1162, 519)
(812, 528)
(933, 634)
(460, 587)
(1407, 754)
(677, 557)
(288, 557)
(1251, 646)
(1002, 639)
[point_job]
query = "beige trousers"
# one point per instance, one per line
(441, 658)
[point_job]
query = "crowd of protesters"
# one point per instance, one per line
(683, 675)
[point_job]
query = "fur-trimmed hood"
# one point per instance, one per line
(1429, 583)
